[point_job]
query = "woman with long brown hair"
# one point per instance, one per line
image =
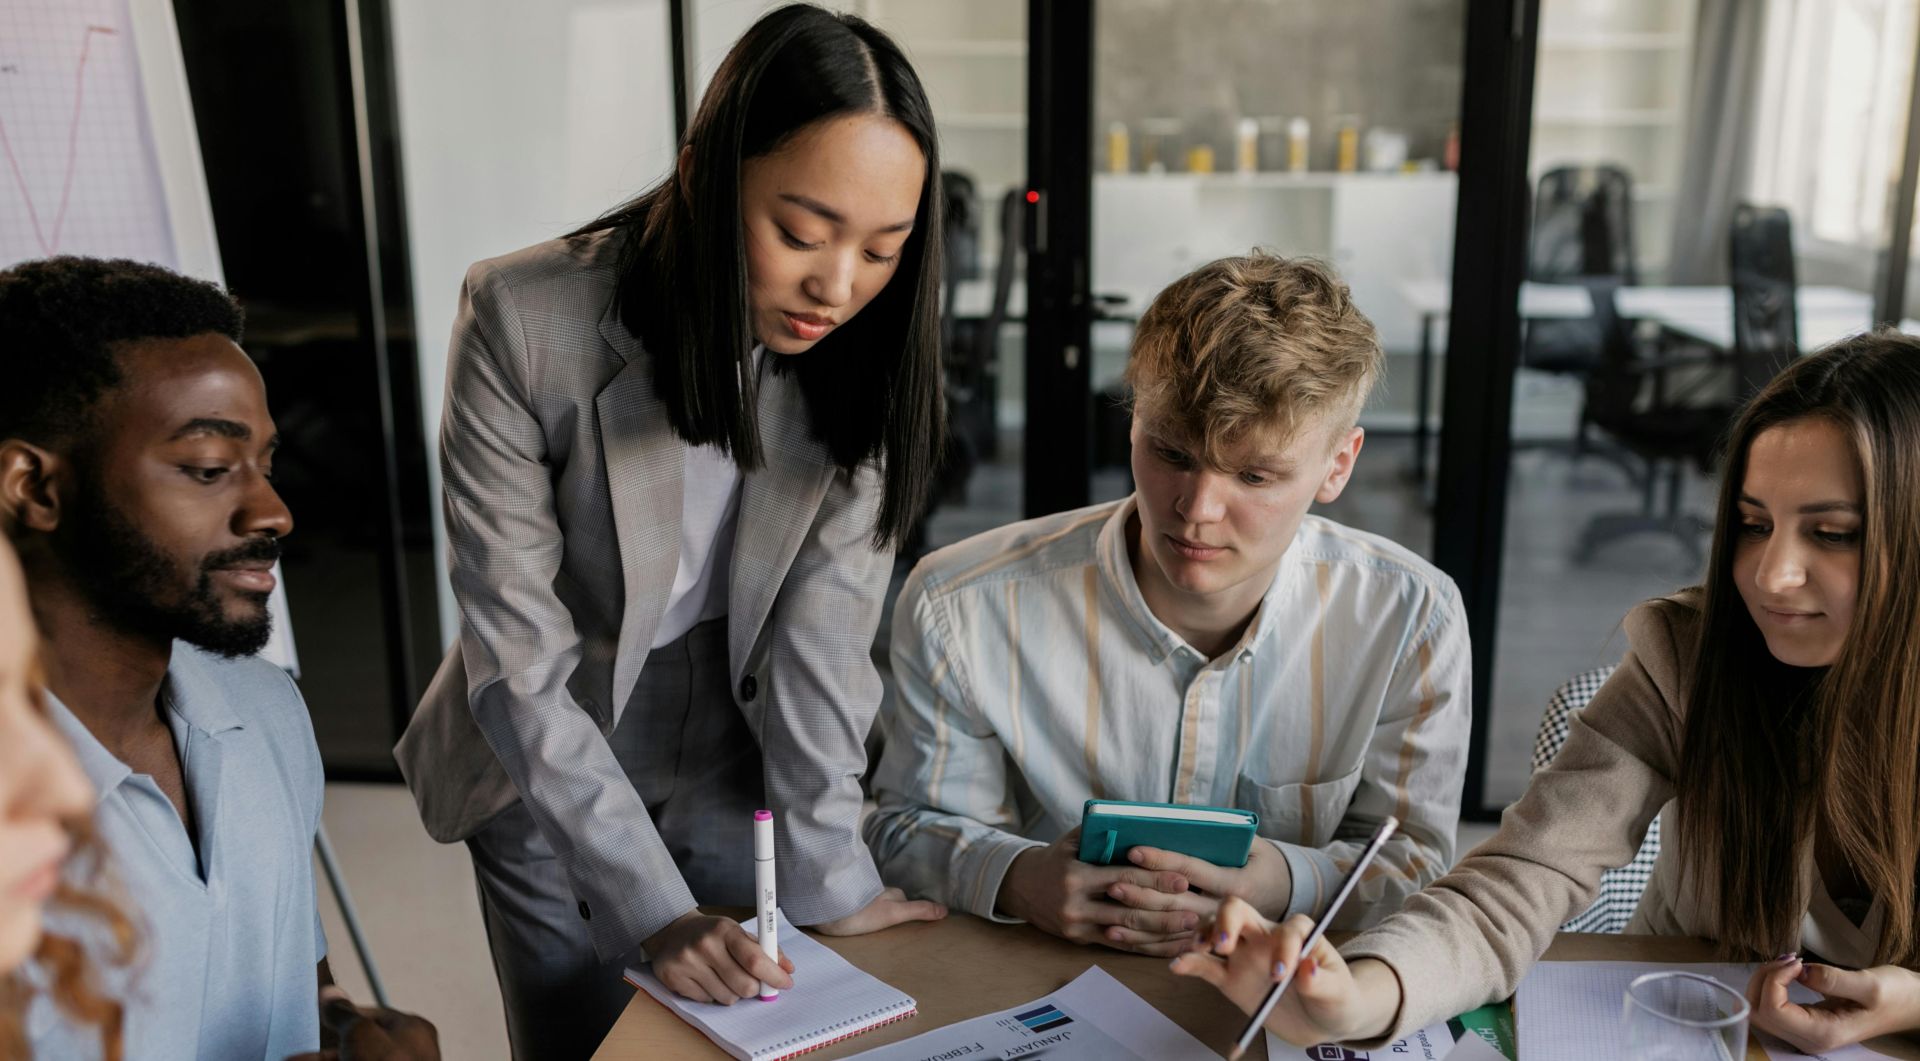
(1777, 708)
(44, 846)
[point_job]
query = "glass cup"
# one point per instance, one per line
(1675, 1016)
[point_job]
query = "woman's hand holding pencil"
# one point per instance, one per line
(1244, 955)
(1335, 1007)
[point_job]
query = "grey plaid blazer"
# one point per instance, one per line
(562, 493)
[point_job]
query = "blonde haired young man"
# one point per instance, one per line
(1203, 641)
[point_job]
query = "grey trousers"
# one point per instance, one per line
(690, 755)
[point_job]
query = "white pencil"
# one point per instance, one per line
(1273, 996)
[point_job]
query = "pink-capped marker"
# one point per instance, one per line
(763, 889)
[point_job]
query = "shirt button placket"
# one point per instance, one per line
(1191, 734)
(1204, 744)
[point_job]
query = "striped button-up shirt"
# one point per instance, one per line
(1031, 677)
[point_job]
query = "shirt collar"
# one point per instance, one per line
(101, 767)
(1116, 566)
(188, 691)
(193, 692)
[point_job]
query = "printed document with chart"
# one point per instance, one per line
(1094, 1018)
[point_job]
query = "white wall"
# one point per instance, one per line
(518, 122)
(714, 25)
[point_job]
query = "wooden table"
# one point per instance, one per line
(963, 967)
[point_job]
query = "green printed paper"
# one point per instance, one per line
(1494, 1023)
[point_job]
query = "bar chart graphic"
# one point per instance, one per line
(78, 171)
(1045, 1018)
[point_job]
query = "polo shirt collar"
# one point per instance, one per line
(101, 767)
(192, 692)
(1116, 568)
(188, 691)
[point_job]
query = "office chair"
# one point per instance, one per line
(960, 246)
(968, 347)
(1766, 319)
(1629, 396)
(978, 376)
(1582, 233)
(1665, 429)
(1620, 888)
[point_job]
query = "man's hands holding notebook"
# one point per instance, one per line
(1265, 882)
(1150, 907)
(1050, 888)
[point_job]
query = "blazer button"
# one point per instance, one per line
(585, 914)
(749, 688)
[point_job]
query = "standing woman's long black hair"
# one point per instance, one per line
(873, 385)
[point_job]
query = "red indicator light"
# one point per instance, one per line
(1033, 196)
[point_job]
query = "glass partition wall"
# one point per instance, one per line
(1596, 519)
(1318, 130)
(1533, 202)
(1676, 144)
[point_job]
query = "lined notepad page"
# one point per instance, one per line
(1573, 1010)
(830, 1000)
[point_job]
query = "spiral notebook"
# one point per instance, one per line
(830, 1000)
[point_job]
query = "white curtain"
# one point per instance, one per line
(1718, 152)
(1829, 118)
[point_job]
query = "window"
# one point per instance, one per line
(1834, 82)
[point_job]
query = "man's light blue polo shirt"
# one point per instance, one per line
(229, 935)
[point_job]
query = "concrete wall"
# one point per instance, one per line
(1207, 63)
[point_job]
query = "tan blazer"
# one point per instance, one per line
(1471, 935)
(562, 496)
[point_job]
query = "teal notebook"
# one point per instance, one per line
(1110, 828)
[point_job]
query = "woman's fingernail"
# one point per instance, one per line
(1279, 970)
(1787, 957)
(1175, 963)
(1220, 939)
(1136, 857)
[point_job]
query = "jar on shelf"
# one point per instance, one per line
(1273, 141)
(1298, 145)
(1158, 140)
(1246, 146)
(1346, 143)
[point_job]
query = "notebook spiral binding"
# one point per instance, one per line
(856, 1024)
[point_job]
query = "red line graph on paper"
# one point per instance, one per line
(49, 244)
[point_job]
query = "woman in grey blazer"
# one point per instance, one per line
(676, 464)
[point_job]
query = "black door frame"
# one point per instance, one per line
(408, 592)
(1483, 344)
(1057, 454)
